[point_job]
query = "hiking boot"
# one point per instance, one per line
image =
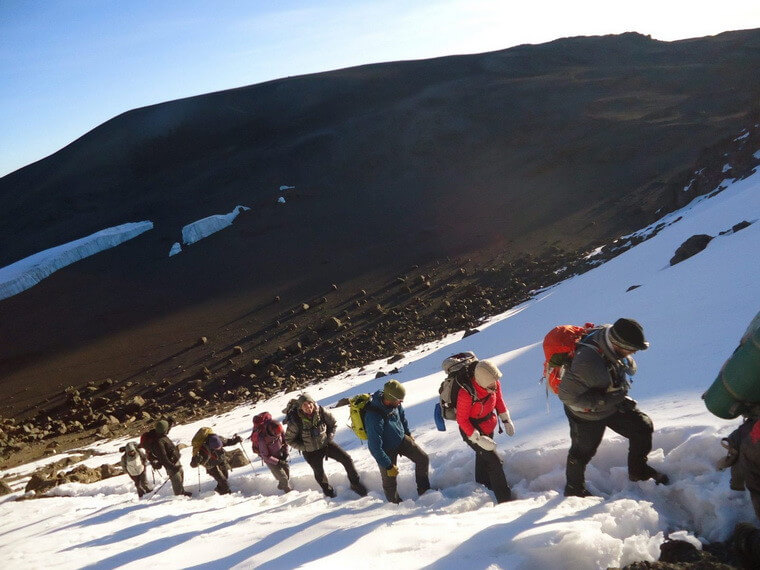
(359, 489)
(187, 494)
(573, 491)
(329, 492)
(647, 473)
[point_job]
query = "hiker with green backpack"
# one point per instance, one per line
(310, 430)
(594, 390)
(388, 436)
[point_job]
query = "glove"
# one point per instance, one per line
(195, 461)
(509, 427)
(627, 405)
(236, 439)
(156, 465)
(282, 463)
(482, 441)
(392, 472)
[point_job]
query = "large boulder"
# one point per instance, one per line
(690, 247)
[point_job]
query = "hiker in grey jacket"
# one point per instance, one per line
(310, 430)
(594, 391)
(134, 462)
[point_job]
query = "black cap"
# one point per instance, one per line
(628, 335)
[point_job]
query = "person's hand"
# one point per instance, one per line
(156, 465)
(282, 463)
(195, 461)
(509, 427)
(482, 441)
(392, 472)
(236, 439)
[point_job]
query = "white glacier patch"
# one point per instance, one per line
(200, 229)
(27, 272)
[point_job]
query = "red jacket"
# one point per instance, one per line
(483, 407)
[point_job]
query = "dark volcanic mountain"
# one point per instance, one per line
(400, 170)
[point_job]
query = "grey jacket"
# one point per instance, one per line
(595, 382)
(306, 433)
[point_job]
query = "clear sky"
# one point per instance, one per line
(67, 66)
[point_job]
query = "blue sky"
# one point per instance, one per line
(67, 66)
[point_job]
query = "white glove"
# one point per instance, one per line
(483, 441)
(509, 427)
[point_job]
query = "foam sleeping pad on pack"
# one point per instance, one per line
(738, 381)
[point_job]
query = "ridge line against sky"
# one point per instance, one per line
(68, 66)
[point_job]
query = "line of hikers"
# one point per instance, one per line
(590, 373)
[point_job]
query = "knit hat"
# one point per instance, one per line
(628, 335)
(162, 427)
(214, 442)
(394, 390)
(303, 398)
(486, 373)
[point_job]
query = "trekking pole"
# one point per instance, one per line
(247, 459)
(155, 491)
(199, 479)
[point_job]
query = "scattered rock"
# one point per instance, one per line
(690, 247)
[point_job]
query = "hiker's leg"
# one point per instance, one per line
(315, 459)
(177, 479)
(221, 481)
(637, 427)
(136, 481)
(333, 451)
(481, 473)
(411, 450)
(585, 437)
(390, 485)
(281, 475)
(489, 471)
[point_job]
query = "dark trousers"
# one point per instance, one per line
(141, 482)
(413, 452)
(586, 435)
(316, 460)
(220, 473)
(489, 470)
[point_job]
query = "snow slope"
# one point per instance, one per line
(29, 271)
(693, 313)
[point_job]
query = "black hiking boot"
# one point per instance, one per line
(646, 473)
(187, 494)
(329, 492)
(359, 489)
(577, 491)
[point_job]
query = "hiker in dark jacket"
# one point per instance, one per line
(388, 436)
(311, 429)
(166, 455)
(271, 447)
(134, 462)
(211, 456)
(477, 419)
(594, 391)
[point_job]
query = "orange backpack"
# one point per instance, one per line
(559, 349)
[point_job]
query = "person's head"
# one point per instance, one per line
(306, 404)
(626, 336)
(274, 428)
(487, 375)
(393, 393)
(162, 427)
(131, 449)
(214, 442)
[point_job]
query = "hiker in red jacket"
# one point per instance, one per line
(477, 418)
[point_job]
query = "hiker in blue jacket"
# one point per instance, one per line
(388, 436)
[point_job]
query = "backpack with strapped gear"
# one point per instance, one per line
(559, 350)
(200, 438)
(262, 422)
(357, 407)
(459, 370)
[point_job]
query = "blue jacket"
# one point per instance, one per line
(386, 427)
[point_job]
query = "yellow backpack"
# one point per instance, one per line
(200, 438)
(357, 406)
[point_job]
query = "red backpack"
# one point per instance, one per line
(260, 423)
(559, 349)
